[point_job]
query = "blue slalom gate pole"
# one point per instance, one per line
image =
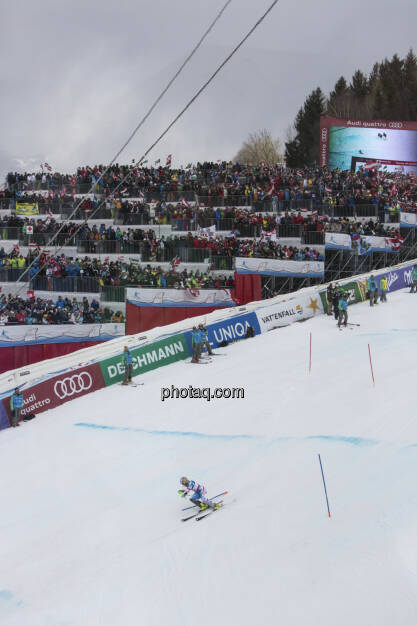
(324, 485)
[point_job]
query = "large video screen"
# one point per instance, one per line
(352, 144)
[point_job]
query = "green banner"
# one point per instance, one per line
(148, 358)
(356, 291)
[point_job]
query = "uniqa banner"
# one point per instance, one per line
(180, 297)
(27, 208)
(231, 329)
(147, 358)
(57, 390)
(288, 312)
(278, 267)
(338, 241)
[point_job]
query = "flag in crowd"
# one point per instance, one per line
(175, 262)
(208, 231)
(169, 159)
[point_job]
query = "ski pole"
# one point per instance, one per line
(309, 367)
(218, 496)
(370, 361)
(324, 485)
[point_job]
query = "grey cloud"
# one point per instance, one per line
(77, 76)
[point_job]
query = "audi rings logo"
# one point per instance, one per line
(324, 134)
(395, 125)
(72, 385)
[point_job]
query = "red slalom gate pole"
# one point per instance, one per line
(370, 361)
(309, 366)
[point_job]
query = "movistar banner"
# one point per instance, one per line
(27, 208)
(147, 358)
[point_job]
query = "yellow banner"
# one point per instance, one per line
(27, 208)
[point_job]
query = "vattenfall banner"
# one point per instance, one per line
(57, 390)
(147, 358)
(285, 313)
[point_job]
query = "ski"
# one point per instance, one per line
(213, 354)
(185, 519)
(132, 384)
(207, 513)
(211, 499)
(352, 324)
(205, 362)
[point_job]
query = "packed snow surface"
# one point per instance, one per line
(90, 516)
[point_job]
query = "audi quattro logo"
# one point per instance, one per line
(324, 134)
(395, 125)
(72, 385)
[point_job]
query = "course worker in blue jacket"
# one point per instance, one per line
(373, 290)
(197, 339)
(16, 403)
(343, 315)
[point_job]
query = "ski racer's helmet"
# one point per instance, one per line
(184, 481)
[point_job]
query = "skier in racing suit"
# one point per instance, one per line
(199, 496)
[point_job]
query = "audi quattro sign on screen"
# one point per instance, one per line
(349, 144)
(59, 389)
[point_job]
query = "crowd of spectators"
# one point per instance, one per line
(15, 310)
(226, 182)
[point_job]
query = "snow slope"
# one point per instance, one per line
(89, 525)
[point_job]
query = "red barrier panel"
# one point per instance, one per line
(59, 389)
(19, 356)
(141, 318)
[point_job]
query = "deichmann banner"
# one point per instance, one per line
(285, 313)
(147, 358)
(276, 267)
(27, 208)
(57, 390)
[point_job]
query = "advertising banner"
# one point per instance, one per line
(365, 244)
(59, 389)
(180, 297)
(408, 220)
(285, 313)
(59, 333)
(27, 208)
(355, 290)
(147, 358)
(231, 329)
(338, 241)
(277, 267)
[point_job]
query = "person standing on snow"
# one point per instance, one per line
(343, 315)
(199, 496)
(128, 364)
(373, 290)
(16, 403)
(330, 295)
(383, 285)
(414, 279)
(204, 335)
(197, 344)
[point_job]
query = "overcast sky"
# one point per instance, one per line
(77, 76)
